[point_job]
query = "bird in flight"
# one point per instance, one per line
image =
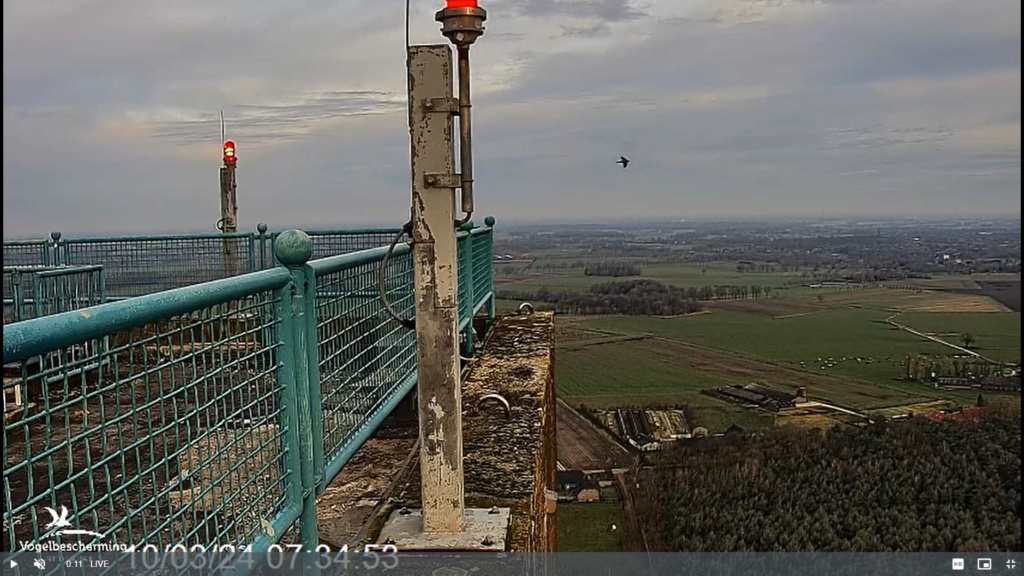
(624, 161)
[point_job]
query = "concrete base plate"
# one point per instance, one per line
(485, 530)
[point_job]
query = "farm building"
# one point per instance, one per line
(1001, 383)
(763, 396)
(668, 425)
(636, 428)
(576, 485)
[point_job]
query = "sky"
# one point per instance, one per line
(726, 108)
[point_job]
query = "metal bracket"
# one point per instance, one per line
(442, 180)
(449, 105)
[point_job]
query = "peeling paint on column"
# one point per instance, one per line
(434, 257)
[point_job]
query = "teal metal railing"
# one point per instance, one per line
(32, 291)
(137, 265)
(212, 414)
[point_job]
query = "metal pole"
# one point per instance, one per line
(465, 133)
(228, 212)
(228, 199)
(436, 302)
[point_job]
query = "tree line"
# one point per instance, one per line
(614, 269)
(921, 368)
(573, 302)
(634, 297)
(914, 485)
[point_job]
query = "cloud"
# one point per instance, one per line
(730, 108)
(604, 10)
(593, 31)
(266, 123)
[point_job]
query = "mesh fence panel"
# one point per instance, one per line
(138, 266)
(170, 433)
(364, 354)
(481, 261)
(27, 253)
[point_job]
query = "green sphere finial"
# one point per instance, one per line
(261, 227)
(489, 221)
(293, 248)
(55, 235)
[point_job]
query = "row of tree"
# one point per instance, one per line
(613, 269)
(922, 368)
(634, 297)
(896, 486)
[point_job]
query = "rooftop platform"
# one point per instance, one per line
(510, 454)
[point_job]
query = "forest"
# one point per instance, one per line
(634, 297)
(913, 485)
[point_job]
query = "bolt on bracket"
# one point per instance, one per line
(449, 105)
(442, 180)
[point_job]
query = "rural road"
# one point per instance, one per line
(633, 532)
(890, 320)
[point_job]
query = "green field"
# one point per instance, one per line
(842, 333)
(638, 372)
(833, 341)
(586, 526)
(660, 372)
(997, 335)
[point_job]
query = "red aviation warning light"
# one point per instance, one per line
(229, 152)
(462, 21)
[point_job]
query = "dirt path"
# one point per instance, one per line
(584, 446)
(833, 407)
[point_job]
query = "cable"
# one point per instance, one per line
(381, 274)
(407, 228)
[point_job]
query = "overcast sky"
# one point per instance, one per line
(727, 108)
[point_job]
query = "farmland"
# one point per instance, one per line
(825, 306)
(838, 346)
(811, 339)
(660, 371)
(997, 336)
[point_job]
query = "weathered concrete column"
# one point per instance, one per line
(434, 258)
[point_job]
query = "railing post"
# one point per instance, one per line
(293, 249)
(19, 296)
(261, 235)
(55, 244)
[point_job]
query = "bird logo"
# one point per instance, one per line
(624, 161)
(61, 522)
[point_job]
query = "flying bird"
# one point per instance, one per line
(624, 161)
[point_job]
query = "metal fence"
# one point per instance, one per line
(197, 431)
(137, 265)
(33, 291)
(27, 253)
